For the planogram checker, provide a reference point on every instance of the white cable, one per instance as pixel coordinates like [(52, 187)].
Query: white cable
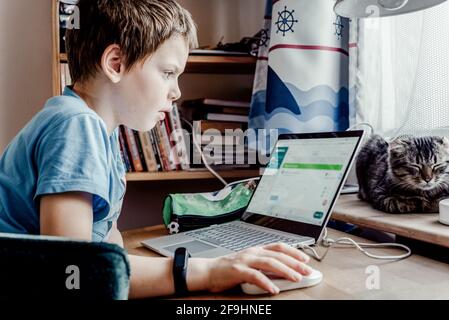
[(207, 165), (345, 241), (241, 181), (361, 124), (203, 156)]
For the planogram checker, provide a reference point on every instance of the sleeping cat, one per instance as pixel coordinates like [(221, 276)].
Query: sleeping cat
[(405, 175)]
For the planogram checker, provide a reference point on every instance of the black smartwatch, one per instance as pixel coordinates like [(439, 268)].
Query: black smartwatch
[(180, 262)]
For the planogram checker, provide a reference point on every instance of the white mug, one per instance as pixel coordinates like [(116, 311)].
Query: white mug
[(444, 211)]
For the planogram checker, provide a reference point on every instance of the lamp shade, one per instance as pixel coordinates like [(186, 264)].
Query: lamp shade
[(380, 8)]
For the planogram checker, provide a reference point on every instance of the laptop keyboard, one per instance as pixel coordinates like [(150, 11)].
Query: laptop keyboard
[(237, 237)]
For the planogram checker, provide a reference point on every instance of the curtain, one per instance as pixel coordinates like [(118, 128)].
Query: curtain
[(400, 73), (302, 72)]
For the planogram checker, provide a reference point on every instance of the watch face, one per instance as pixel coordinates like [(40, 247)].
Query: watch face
[(179, 260), (180, 256)]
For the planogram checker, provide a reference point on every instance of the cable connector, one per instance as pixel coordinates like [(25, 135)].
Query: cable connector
[(348, 242)]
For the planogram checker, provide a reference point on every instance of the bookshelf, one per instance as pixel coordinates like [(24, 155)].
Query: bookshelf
[(190, 175), (206, 64), (199, 64)]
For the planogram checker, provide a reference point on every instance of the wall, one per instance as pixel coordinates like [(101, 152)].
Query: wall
[(25, 63), (230, 19)]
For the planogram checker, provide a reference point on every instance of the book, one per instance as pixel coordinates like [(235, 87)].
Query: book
[(139, 148), (227, 103), (68, 78), (220, 126), (63, 79), (157, 150), (124, 153), (167, 146), (148, 153), (173, 155), (178, 138), (227, 117), (236, 111), (127, 152), (213, 139), (133, 150), (217, 103), (161, 147)]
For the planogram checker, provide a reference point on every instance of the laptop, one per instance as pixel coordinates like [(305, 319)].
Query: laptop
[(292, 202)]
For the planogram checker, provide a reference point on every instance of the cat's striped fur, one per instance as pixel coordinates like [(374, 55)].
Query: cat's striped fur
[(406, 175)]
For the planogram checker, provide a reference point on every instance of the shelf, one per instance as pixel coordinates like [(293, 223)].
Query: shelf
[(213, 64), (221, 64), (190, 175)]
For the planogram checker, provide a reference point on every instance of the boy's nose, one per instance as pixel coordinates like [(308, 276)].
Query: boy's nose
[(175, 94)]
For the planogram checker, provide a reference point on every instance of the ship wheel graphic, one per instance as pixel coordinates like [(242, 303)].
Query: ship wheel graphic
[(264, 37), (261, 39), (338, 27), (285, 22)]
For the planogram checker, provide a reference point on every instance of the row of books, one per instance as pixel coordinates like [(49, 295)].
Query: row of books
[(218, 110), (161, 149), (168, 147), (218, 116)]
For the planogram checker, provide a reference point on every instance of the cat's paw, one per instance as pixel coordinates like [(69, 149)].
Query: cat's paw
[(430, 206), (399, 205)]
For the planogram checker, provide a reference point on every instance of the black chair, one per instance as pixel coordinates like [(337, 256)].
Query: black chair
[(53, 267)]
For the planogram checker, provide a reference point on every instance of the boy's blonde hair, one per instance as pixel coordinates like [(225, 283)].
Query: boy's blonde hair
[(139, 27)]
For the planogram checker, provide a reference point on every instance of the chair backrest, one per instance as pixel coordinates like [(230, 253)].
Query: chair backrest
[(53, 267)]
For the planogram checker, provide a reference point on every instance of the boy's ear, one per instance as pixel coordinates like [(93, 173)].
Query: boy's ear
[(112, 63)]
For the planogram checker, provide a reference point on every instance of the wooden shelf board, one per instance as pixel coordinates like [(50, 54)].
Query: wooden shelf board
[(212, 64), (221, 64), (190, 175)]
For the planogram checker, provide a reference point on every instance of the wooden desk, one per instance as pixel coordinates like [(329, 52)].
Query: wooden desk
[(424, 227), (344, 272)]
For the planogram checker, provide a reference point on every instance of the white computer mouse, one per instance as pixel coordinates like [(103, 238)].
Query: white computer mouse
[(307, 281)]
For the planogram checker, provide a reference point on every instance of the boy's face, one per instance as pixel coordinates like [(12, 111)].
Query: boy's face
[(149, 89)]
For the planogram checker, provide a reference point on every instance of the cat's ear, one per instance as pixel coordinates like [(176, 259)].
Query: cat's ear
[(445, 143), (398, 146)]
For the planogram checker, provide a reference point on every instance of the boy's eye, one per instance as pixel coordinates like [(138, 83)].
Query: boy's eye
[(169, 74)]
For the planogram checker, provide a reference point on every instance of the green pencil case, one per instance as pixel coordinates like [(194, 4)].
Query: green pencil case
[(189, 211)]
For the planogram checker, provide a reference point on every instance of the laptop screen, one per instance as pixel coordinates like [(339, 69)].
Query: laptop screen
[(302, 181)]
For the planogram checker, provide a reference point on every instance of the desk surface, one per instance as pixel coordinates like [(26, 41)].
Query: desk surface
[(345, 274), (424, 227)]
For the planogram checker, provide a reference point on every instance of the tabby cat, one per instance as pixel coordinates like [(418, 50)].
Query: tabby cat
[(406, 175)]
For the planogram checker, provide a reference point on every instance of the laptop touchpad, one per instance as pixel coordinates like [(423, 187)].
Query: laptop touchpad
[(194, 246)]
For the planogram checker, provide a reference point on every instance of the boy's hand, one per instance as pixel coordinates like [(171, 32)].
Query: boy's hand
[(248, 266)]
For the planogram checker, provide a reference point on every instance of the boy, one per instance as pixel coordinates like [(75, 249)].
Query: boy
[(63, 174)]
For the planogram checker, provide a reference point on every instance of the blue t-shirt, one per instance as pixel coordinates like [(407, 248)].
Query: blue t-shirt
[(65, 147)]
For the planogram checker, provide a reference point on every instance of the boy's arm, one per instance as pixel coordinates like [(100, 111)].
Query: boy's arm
[(152, 277), (115, 236), (71, 215), (67, 215)]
